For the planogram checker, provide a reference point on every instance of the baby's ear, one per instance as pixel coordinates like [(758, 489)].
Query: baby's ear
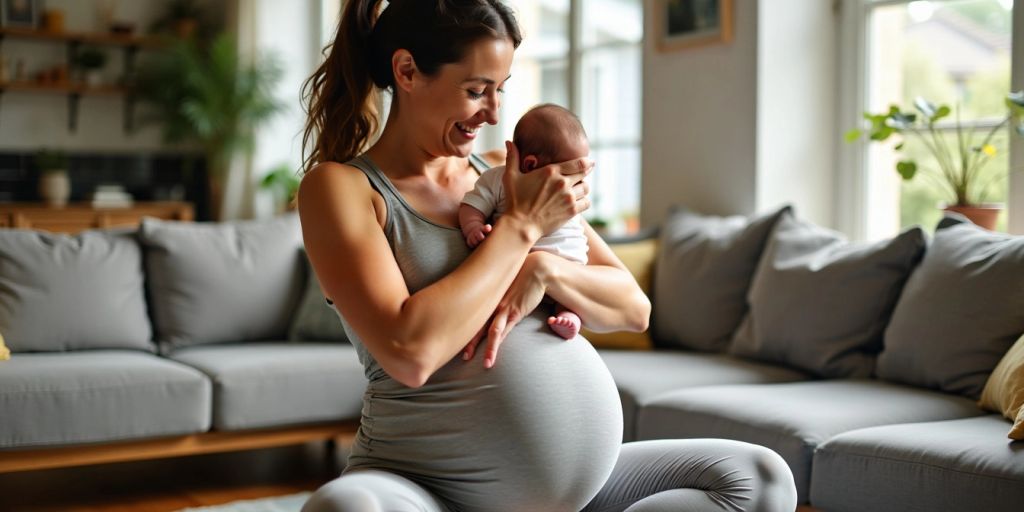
[(530, 163)]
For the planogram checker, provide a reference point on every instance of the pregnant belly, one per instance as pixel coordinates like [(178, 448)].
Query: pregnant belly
[(540, 431)]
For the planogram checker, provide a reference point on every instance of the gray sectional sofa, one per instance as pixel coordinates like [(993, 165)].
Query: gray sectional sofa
[(854, 361)]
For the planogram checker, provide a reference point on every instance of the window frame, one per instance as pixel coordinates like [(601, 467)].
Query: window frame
[(855, 185)]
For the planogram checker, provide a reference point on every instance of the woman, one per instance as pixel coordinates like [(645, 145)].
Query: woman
[(537, 425)]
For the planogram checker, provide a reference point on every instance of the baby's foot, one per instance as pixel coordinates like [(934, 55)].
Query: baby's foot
[(566, 324)]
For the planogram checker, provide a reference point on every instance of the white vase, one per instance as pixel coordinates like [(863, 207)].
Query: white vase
[(55, 187)]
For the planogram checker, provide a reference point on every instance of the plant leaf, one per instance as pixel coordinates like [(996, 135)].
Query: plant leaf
[(926, 107), (907, 169), (899, 146), (852, 135)]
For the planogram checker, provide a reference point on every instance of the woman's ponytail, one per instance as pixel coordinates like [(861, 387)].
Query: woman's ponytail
[(340, 98)]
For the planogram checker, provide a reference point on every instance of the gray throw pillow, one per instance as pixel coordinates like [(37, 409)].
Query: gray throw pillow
[(315, 319), (701, 275), (820, 303), (61, 292), (960, 312), (222, 282)]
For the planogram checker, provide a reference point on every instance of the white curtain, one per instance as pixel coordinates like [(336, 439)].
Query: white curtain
[(291, 32)]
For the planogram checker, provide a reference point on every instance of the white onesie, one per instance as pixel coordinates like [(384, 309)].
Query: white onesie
[(568, 241)]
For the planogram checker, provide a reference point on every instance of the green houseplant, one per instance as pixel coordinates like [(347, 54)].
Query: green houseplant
[(90, 61), (958, 168), (283, 183), (207, 96)]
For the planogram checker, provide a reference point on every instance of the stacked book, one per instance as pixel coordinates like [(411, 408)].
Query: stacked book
[(111, 196)]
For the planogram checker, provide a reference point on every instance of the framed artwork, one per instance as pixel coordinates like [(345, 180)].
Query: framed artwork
[(20, 13), (689, 23)]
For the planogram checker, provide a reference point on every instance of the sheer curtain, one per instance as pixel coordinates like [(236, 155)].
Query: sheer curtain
[(289, 31)]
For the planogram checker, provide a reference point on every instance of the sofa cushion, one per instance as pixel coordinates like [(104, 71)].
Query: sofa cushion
[(1004, 391), (638, 256), (314, 319), (954, 465), (641, 376), (793, 418), (61, 292), (959, 313), (820, 303), (701, 277), (222, 282), (5, 353), (275, 384), (98, 395)]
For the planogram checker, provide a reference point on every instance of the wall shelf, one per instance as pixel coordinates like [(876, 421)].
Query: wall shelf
[(130, 44)]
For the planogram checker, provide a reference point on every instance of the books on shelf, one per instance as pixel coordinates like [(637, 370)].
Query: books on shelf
[(111, 196)]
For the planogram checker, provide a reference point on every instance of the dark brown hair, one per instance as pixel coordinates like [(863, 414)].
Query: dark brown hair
[(341, 95), (546, 129)]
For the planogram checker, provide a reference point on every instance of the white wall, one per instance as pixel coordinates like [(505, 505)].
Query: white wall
[(700, 123), (29, 121), (796, 108), (743, 127)]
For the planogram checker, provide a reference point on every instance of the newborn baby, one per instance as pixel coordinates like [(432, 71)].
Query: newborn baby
[(545, 134)]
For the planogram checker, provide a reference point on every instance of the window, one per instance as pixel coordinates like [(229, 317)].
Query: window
[(585, 56), (954, 52)]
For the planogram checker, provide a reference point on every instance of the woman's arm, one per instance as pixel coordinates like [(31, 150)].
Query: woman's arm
[(412, 335), (603, 292)]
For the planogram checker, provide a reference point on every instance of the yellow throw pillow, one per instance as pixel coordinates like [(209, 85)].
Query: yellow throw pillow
[(1004, 391), (5, 354), (639, 259)]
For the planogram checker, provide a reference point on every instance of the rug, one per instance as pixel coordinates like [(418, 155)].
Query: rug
[(289, 503)]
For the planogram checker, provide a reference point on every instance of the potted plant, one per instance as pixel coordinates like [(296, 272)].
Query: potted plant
[(90, 62), (206, 95), (283, 183), (54, 184), (958, 168), (181, 19)]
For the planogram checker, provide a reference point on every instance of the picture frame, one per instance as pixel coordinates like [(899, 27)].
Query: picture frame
[(684, 24), (20, 13)]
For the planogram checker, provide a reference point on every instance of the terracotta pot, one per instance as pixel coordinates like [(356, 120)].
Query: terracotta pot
[(55, 188), (982, 215)]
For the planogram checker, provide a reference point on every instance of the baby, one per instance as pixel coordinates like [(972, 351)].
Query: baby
[(545, 134)]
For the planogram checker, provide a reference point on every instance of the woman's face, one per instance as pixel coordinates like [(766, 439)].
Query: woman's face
[(451, 106)]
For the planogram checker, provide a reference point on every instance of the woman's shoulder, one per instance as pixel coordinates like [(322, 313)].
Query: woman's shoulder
[(329, 180)]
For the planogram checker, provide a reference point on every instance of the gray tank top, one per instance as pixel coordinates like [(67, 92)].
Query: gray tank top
[(539, 431)]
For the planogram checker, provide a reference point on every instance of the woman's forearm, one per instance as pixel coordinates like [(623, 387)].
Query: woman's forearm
[(438, 321), (606, 298)]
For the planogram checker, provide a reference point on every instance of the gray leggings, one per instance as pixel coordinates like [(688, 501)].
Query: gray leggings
[(669, 475)]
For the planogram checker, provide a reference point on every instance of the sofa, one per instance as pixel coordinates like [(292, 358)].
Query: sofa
[(855, 361)]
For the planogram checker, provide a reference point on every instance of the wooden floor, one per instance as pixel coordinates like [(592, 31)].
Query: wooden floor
[(171, 484)]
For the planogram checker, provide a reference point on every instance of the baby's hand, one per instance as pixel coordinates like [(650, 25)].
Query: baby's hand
[(476, 234)]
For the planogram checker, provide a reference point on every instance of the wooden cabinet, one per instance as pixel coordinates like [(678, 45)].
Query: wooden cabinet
[(77, 217)]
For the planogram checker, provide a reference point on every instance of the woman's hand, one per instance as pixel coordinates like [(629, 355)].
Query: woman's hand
[(520, 300), (546, 197)]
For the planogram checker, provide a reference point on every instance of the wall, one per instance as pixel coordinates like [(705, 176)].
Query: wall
[(700, 123), (1016, 210), (743, 127), (29, 121), (796, 109)]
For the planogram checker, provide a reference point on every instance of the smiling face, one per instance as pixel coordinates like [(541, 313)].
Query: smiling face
[(450, 107)]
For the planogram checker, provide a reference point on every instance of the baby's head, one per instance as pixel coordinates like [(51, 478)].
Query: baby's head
[(548, 134)]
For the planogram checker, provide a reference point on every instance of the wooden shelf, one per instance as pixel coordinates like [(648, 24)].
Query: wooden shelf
[(98, 38), (63, 88), (75, 217)]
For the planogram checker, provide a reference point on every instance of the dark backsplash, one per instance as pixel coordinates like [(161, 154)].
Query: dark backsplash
[(150, 176)]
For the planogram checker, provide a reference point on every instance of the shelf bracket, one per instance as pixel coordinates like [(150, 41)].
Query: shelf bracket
[(73, 111)]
